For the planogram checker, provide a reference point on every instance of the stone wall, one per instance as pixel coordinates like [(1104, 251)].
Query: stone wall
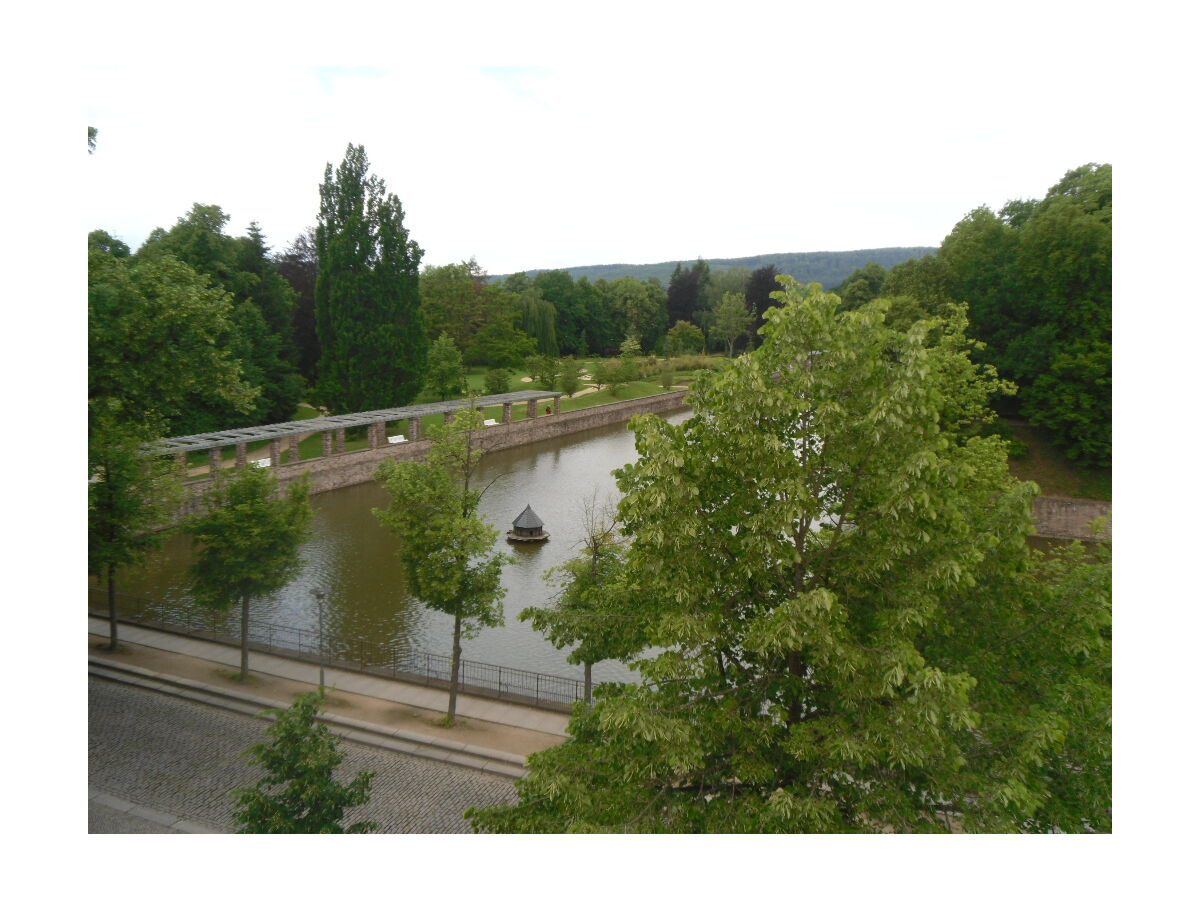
[(344, 469), (1057, 517), (1065, 517)]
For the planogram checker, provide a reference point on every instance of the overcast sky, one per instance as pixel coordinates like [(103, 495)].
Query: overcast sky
[(858, 141)]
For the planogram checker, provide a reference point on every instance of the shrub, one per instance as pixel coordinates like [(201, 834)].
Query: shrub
[(497, 381)]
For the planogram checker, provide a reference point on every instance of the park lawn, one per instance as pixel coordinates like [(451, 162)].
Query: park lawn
[(1054, 473)]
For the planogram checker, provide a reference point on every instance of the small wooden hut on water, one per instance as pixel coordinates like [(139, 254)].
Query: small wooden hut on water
[(527, 528)]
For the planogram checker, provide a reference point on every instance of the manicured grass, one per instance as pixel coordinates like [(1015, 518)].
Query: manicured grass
[(1056, 475)]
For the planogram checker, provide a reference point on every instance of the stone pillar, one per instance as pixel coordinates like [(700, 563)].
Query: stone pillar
[(373, 436), (294, 447), (240, 462), (181, 460), (214, 460), (558, 404), (414, 429), (276, 451), (447, 417), (326, 443), (507, 413), (531, 409), (340, 443)]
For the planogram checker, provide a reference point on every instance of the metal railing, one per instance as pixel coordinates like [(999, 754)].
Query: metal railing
[(358, 654)]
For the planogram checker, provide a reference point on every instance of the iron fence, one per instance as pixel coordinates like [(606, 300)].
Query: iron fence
[(358, 654)]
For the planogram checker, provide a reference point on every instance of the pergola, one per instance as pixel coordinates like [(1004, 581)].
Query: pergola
[(335, 426)]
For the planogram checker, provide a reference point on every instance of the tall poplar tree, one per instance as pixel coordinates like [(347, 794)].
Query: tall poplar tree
[(369, 322)]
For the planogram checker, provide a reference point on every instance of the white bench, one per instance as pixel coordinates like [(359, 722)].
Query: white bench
[(397, 439), (490, 422), (261, 463)]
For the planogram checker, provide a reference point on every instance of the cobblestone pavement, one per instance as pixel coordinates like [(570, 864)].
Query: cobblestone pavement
[(185, 757)]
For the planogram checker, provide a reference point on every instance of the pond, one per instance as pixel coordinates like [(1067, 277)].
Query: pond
[(352, 559)]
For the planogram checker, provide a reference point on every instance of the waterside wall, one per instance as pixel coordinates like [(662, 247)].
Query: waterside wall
[(328, 473), (1056, 517)]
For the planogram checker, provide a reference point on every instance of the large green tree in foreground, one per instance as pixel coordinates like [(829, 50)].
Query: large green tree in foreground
[(299, 793), (369, 321), (855, 634), (249, 540), (445, 548)]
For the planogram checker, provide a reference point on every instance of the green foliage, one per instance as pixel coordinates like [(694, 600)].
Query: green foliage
[(731, 320), (631, 347), (1038, 281), (854, 634), (455, 300), (300, 794), (544, 370), (641, 309), (591, 609), (297, 264), (824, 267), (537, 318), (615, 373), (684, 337), (263, 336), (106, 243), (568, 377), (863, 285), (372, 334), (497, 381), (131, 495), (444, 547), (249, 541), (158, 339), (446, 376)]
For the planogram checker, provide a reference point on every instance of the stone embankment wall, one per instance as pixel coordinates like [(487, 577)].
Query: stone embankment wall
[(1057, 517), (1065, 517), (340, 470)]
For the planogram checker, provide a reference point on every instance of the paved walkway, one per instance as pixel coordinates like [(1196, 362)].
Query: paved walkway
[(167, 727), (413, 695)]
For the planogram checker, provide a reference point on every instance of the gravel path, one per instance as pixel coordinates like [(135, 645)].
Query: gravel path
[(183, 757)]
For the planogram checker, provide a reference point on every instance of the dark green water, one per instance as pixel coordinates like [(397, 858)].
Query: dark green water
[(352, 558)]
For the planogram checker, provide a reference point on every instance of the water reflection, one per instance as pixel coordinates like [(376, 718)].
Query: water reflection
[(352, 559)]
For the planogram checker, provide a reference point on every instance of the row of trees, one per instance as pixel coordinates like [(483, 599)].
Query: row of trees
[(1036, 278)]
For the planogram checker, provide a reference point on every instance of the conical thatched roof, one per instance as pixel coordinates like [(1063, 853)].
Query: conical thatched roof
[(527, 519)]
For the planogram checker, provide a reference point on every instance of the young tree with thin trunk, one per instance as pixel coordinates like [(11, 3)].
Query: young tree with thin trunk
[(445, 548), (250, 538), (732, 320), (131, 495), (447, 377), (299, 794), (590, 610)]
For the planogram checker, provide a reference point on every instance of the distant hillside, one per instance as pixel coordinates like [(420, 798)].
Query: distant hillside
[(830, 268)]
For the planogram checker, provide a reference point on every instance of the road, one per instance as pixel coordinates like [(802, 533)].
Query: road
[(183, 758)]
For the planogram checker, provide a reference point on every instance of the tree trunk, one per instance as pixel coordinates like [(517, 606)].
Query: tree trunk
[(245, 638), (454, 659), (587, 682), (112, 607)]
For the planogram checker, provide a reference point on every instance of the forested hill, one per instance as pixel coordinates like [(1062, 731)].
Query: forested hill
[(830, 267)]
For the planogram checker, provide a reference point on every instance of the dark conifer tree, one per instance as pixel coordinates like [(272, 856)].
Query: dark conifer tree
[(683, 294), (298, 265), (758, 296), (369, 323)]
